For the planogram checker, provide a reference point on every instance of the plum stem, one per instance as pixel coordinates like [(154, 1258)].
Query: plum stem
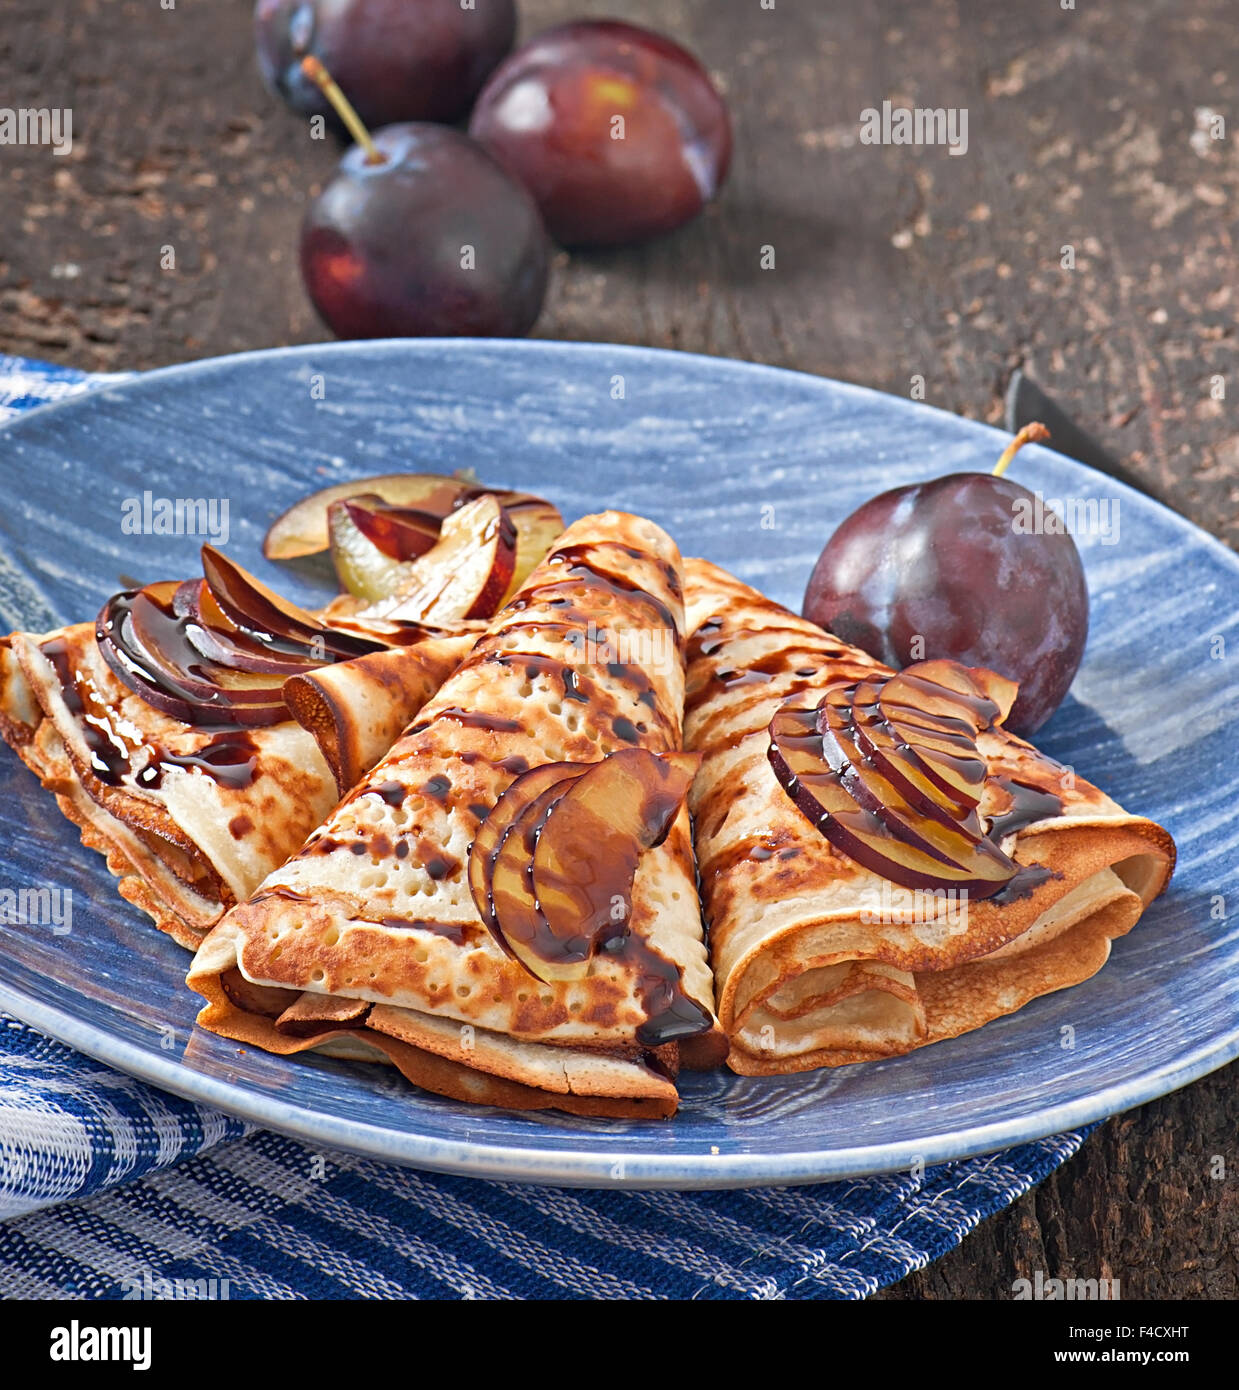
[(316, 72), (1034, 433)]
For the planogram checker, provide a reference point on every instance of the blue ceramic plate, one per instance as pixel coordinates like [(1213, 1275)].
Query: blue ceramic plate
[(746, 465)]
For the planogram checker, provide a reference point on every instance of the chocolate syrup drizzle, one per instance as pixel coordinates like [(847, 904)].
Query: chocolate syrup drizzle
[(960, 753), (581, 581)]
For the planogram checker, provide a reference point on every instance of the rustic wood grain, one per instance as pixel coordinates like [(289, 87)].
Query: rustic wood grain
[(891, 262)]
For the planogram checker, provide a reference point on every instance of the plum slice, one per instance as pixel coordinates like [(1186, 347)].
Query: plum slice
[(525, 789), (467, 573), (400, 533), (938, 708), (552, 867), (209, 629), (521, 927), (586, 855), (899, 760), (262, 613), (911, 839), (370, 551), (538, 526), (800, 764), (302, 529), (217, 651), (924, 825), (144, 641), (376, 547)]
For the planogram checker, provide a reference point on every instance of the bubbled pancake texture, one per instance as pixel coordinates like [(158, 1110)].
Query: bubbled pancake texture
[(220, 837), (785, 907), (377, 905)]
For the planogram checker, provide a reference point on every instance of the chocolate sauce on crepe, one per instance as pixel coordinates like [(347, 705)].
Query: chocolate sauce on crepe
[(109, 761), (1028, 804), (586, 1040), (231, 759), (905, 970)]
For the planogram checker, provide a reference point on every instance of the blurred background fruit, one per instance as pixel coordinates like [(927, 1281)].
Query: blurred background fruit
[(398, 60), (421, 234), (618, 131)]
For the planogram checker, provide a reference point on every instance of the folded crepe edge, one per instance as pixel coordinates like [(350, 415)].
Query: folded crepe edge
[(172, 904), (1139, 853), (144, 877), (118, 824), (1069, 959), (408, 676), (441, 1056)]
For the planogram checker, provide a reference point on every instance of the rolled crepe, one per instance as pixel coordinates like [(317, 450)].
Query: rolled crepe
[(191, 820), (355, 710), (369, 942), (819, 961)]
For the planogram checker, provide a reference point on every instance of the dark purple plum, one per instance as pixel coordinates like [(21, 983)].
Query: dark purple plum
[(398, 60), (432, 240), (618, 131), (945, 562)]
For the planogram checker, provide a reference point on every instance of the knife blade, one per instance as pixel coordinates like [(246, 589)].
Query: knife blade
[(1026, 402)]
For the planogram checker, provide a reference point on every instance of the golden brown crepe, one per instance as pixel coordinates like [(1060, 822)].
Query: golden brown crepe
[(191, 820), (369, 941), (819, 961), (357, 709)]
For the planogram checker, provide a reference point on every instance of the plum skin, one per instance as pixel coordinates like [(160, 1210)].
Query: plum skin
[(396, 60), (942, 560), (382, 244), (547, 111)]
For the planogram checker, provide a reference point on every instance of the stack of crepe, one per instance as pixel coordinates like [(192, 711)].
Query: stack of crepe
[(816, 961), (369, 940), (191, 819), (356, 926)]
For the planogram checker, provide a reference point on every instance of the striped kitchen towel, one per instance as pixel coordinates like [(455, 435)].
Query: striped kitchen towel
[(267, 1217), (112, 1188)]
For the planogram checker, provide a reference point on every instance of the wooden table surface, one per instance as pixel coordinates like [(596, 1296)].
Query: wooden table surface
[(1087, 127)]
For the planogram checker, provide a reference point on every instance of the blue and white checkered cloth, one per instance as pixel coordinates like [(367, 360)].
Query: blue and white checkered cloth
[(112, 1187)]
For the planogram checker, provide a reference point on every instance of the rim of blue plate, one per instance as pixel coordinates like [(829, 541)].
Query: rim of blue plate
[(642, 1166)]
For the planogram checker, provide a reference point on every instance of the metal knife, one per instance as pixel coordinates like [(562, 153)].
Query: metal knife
[(1026, 402)]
